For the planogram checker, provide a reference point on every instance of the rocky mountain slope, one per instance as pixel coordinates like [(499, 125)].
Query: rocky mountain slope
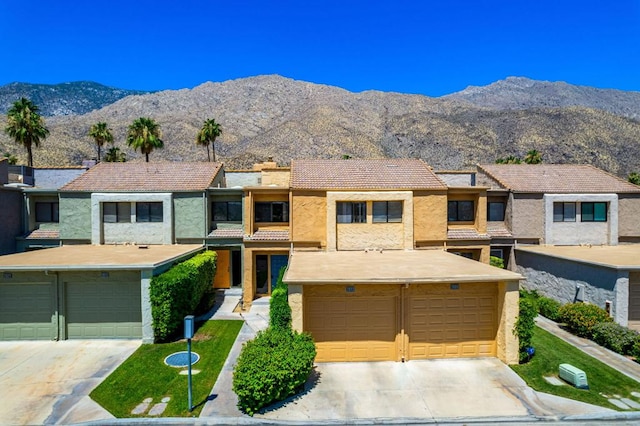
[(74, 98), (275, 116), (524, 93)]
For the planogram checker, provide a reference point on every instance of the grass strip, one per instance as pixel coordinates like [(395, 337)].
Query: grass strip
[(145, 375), (551, 351)]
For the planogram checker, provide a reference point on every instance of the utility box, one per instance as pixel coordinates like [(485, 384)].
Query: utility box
[(189, 326), (573, 376)]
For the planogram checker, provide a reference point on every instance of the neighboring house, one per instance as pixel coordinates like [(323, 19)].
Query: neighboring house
[(562, 204), (42, 207), (139, 203), (10, 211), (369, 276)]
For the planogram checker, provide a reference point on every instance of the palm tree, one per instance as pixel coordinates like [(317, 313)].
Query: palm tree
[(114, 155), (101, 134), (144, 134), (25, 125), (533, 157), (509, 160), (208, 133)]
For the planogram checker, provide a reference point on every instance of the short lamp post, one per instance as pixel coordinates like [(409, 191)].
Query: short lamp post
[(189, 328)]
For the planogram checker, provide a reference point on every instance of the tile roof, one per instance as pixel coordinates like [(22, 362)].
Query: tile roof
[(556, 178), (43, 234), (226, 233), (465, 234), (144, 177), (363, 174), (268, 235), (498, 230)]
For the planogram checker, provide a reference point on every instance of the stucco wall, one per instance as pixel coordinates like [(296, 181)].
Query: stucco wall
[(190, 215), (559, 279), (508, 308), (430, 216), (578, 232), (131, 232), (75, 216), (628, 217), (309, 217), (527, 215), (276, 177), (295, 302), (360, 236)]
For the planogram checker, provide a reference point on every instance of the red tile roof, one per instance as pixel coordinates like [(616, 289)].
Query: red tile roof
[(465, 234), (363, 174), (43, 234), (226, 233), (145, 177), (556, 178), (268, 235), (498, 230)]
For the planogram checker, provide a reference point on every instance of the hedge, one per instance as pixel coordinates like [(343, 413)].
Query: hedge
[(177, 293), (614, 336), (279, 309), (549, 308), (525, 325), (272, 367), (580, 318)]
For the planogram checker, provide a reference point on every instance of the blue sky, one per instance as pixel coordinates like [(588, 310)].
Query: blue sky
[(427, 47)]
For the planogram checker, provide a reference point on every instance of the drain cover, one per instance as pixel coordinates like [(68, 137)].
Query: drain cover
[(181, 359)]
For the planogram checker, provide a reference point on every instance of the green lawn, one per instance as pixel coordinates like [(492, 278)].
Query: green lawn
[(144, 374), (552, 351)]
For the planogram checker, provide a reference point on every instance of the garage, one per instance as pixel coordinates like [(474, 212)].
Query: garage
[(446, 322), (82, 292), (26, 311), (98, 308), (353, 323), (403, 305)]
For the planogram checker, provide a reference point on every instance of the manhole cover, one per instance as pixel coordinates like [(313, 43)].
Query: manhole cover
[(181, 359)]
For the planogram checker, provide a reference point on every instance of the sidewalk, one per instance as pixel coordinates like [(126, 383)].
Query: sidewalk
[(622, 364), (224, 403)]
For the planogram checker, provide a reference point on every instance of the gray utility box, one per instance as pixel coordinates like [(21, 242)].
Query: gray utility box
[(574, 376)]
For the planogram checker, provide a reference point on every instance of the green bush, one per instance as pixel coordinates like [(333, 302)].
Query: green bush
[(580, 318), (525, 325), (177, 293), (279, 309), (496, 261), (272, 367), (549, 308), (614, 336)]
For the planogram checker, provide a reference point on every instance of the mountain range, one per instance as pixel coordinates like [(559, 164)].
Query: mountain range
[(273, 116)]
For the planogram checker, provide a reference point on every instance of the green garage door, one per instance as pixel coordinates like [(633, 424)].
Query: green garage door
[(26, 311), (98, 310)]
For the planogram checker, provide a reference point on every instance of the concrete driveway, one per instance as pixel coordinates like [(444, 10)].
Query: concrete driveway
[(434, 389), (43, 382)]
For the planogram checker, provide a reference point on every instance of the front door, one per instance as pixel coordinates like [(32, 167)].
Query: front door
[(267, 270)]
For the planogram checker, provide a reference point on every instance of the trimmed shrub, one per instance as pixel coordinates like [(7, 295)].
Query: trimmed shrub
[(614, 336), (279, 309), (549, 308), (496, 261), (272, 367), (580, 318), (635, 350), (177, 293), (525, 325)]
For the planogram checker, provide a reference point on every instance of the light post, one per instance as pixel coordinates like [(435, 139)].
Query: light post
[(189, 328)]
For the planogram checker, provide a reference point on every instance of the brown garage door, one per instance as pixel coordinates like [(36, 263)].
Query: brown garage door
[(449, 322), (353, 323)]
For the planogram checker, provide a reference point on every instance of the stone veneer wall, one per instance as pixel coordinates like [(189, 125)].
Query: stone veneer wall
[(559, 279)]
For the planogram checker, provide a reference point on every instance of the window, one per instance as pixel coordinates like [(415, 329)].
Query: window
[(47, 212), (227, 211), (593, 212), (387, 211), (351, 212), (460, 211), (149, 212), (116, 212), (273, 211), (495, 212), (564, 212)]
